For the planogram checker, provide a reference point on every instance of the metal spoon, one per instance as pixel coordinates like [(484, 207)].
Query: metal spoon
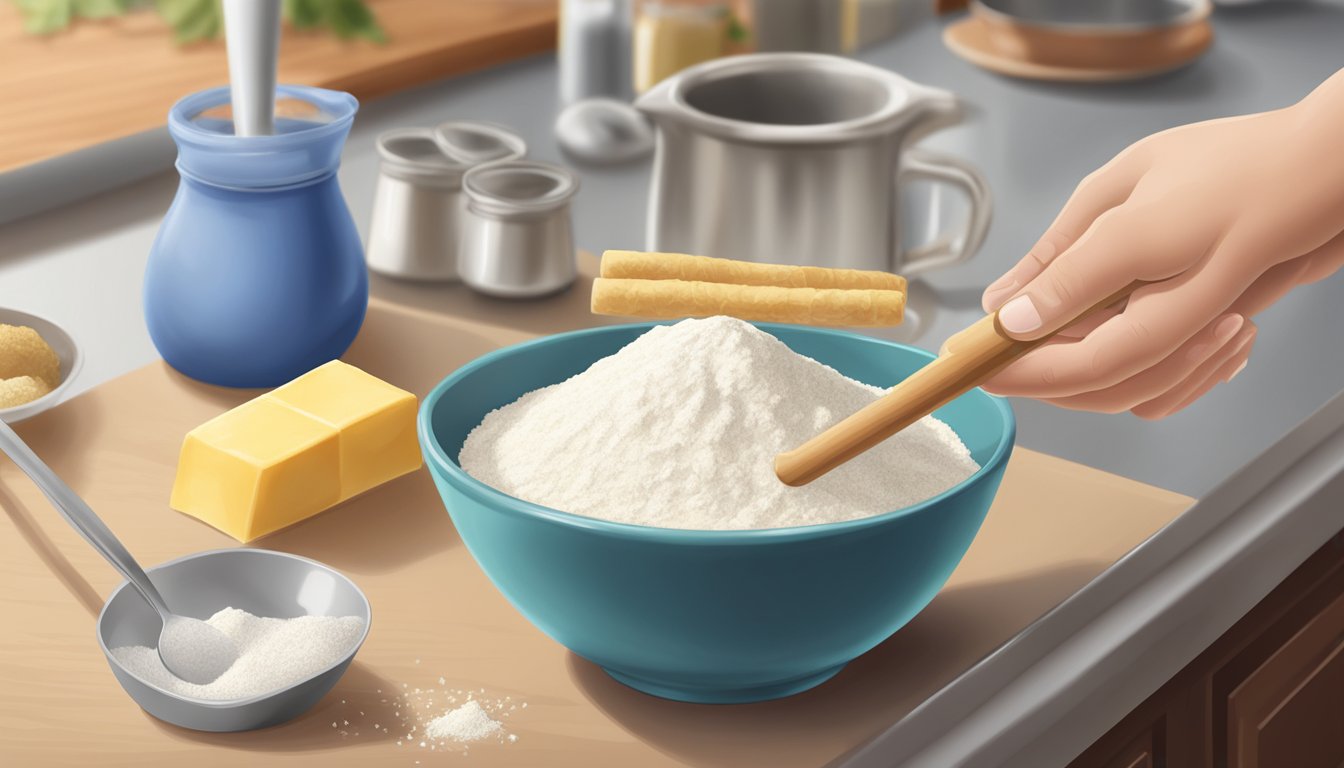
[(252, 36), (189, 648)]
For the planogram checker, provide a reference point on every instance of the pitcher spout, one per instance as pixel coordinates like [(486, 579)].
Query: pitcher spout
[(656, 103), (932, 109)]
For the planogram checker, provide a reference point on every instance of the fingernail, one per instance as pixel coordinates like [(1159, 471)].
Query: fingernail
[(1228, 327), (1020, 316), (1245, 343), (1223, 331), (998, 292), (1240, 368)]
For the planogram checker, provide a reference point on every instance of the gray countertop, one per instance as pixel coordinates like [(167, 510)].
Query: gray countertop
[(81, 264), (1052, 690)]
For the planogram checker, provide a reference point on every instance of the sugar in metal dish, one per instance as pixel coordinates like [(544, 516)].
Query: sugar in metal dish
[(272, 654)]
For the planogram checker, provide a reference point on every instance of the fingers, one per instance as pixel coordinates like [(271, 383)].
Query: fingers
[(1271, 286), (1221, 367), (1225, 374), (1158, 319), (1126, 244), (1080, 328), (1175, 369), (1101, 191), (1325, 260)]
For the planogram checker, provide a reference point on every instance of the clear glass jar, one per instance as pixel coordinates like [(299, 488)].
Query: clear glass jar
[(671, 35)]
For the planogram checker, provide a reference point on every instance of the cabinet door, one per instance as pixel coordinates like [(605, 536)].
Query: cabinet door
[(1290, 710), (1145, 751)]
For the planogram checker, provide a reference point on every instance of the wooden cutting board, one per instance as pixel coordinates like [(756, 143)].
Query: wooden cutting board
[(99, 81), (1054, 526)]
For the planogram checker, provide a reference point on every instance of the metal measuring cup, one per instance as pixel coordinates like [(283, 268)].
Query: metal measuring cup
[(517, 239), (418, 205)]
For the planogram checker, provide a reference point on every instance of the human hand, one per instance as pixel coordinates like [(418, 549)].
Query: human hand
[(1221, 219)]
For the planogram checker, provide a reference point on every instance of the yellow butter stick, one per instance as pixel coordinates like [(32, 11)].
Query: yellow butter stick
[(666, 299), (680, 266)]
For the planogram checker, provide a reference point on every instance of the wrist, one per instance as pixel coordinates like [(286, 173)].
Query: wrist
[(1318, 119), (1309, 143)]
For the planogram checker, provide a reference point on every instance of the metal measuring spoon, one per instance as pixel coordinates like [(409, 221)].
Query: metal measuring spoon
[(190, 648)]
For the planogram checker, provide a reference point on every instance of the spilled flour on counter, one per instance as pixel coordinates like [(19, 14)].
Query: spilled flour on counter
[(272, 654), (427, 718), (469, 722), (679, 429)]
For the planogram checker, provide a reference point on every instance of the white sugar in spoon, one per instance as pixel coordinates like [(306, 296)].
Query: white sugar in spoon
[(252, 34), (189, 648)]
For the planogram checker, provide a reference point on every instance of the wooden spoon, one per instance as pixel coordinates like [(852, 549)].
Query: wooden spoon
[(967, 360)]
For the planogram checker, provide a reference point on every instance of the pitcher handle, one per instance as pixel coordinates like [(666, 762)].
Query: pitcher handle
[(946, 249)]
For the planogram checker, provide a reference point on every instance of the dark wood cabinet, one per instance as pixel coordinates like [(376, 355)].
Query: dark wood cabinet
[(1146, 750), (1268, 694), (1290, 710)]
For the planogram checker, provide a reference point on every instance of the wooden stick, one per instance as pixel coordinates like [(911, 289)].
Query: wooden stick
[(704, 269), (968, 359), (666, 299)]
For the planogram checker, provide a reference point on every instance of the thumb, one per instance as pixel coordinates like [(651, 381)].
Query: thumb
[(1102, 262)]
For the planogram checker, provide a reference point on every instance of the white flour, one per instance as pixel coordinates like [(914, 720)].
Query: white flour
[(679, 429), (469, 722), (272, 654)]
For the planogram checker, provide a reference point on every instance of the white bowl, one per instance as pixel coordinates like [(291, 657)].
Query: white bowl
[(67, 351)]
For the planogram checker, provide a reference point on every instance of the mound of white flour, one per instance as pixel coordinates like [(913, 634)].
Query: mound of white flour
[(679, 429)]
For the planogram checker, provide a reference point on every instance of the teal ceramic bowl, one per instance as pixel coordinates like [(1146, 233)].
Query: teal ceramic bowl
[(709, 616)]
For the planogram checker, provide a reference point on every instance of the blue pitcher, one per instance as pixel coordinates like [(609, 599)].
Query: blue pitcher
[(257, 274)]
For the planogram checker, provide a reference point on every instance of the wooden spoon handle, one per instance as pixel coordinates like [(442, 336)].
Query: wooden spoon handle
[(968, 359)]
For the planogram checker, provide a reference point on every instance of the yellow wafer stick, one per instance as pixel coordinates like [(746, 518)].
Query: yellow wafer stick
[(680, 266), (665, 299)]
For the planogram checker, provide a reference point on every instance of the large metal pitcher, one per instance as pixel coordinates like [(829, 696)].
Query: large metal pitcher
[(798, 158)]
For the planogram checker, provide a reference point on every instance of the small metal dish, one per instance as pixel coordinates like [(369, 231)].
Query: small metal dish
[(1098, 34), (518, 239), (67, 351), (418, 205), (259, 581)]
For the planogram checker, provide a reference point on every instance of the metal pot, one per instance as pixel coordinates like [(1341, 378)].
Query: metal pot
[(794, 158)]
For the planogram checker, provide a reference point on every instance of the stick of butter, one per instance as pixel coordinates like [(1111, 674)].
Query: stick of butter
[(295, 451)]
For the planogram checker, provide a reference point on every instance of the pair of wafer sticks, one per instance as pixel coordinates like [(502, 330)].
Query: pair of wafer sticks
[(674, 285)]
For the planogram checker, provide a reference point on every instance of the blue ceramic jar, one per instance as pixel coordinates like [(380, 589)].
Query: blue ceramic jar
[(257, 274)]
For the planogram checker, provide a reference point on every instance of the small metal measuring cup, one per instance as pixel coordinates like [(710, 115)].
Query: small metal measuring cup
[(517, 240), (259, 581), (418, 205)]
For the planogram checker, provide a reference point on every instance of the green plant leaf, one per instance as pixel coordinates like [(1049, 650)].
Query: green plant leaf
[(303, 14), (100, 9), (192, 20), (737, 31), (352, 18), (43, 17)]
